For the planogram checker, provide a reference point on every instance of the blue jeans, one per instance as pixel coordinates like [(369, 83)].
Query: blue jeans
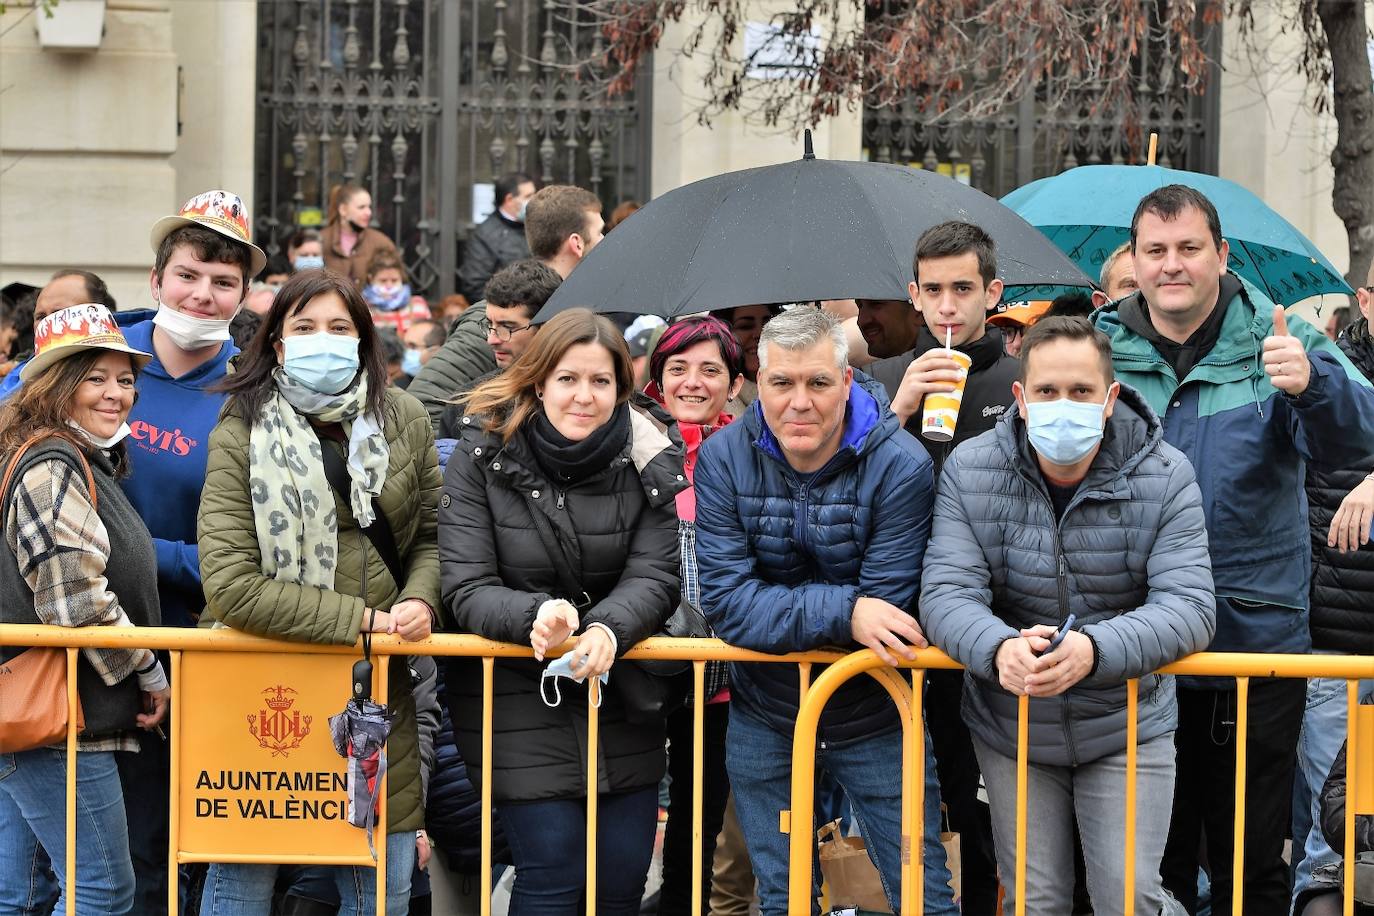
[(246, 890), (759, 760), (33, 834), (1091, 795), (548, 845), (1323, 733)]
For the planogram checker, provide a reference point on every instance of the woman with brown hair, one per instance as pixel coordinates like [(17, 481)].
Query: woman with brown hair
[(557, 520), (350, 242), (317, 524), (77, 555)]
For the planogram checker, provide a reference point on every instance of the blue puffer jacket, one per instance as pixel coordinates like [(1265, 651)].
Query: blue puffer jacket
[(782, 562), (1129, 558)]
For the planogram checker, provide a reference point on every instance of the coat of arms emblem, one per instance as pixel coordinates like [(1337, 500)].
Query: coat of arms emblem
[(277, 728)]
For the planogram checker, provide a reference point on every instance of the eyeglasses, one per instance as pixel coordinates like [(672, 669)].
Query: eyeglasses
[(502, 331)]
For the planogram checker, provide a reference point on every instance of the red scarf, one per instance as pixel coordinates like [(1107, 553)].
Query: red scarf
[(693, 434)]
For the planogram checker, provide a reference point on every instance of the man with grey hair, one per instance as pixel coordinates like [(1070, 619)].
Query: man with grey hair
[(1118, 277), (813, 511)]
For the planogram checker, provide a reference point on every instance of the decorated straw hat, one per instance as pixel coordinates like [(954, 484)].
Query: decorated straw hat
[(218, 211), (1023, 313), (71, 331)]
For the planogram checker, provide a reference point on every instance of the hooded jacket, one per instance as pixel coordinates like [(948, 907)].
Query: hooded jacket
[(464, 358), (987, 390), (1129, 558), (169, 446), (1249, 444), (782, 560), (1342, 583), (619, 533)]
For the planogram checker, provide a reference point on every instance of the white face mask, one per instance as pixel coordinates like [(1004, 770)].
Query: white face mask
[(111, 442), (189, 332)]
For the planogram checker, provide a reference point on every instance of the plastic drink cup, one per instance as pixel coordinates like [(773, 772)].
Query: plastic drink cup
[(940, 412)]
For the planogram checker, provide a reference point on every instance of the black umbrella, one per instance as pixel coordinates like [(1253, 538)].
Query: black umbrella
[(803, 230)]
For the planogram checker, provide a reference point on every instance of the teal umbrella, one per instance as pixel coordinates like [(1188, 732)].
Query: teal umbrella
[(1086, 212)]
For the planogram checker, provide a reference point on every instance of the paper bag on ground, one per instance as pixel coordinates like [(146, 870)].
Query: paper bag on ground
[(851, 875)]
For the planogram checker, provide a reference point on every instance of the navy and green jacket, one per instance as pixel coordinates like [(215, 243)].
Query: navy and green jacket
[(1250, 444)]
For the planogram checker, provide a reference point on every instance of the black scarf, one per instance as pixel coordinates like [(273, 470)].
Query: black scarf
[(566, 461), (1357, 344), (1135, 315)]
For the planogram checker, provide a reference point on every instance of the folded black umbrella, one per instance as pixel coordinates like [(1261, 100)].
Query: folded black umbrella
[(803, 230)]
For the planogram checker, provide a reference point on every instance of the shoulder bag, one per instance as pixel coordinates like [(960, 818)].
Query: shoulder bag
[(33, 684)]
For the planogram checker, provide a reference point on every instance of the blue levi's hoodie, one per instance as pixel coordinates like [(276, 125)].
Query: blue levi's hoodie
[(168, 449)]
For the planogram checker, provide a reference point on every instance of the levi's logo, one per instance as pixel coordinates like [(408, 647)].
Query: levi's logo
[(164, 440)]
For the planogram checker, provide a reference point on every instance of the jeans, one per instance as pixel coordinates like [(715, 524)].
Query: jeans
[(759, 760), (1091, 794), (246, 890), (1205, 792), (958, 769), (675, 895), (548, 844), (1323, 732), (145, 776), (33, 834)]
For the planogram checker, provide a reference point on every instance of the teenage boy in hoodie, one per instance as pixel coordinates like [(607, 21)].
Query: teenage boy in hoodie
[(955, 284), (1250, 397), (203, 262)]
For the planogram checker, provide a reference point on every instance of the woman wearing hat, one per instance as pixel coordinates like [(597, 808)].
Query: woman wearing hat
[(283, 550), (76, 555)]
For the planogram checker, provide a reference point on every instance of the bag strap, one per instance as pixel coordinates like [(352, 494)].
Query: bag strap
[(379, 532), (561, 563), (30, 443)]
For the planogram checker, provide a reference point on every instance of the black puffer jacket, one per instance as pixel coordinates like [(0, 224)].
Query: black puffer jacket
[(620, 527), (987, 393), (1342, 583), (495, 243)]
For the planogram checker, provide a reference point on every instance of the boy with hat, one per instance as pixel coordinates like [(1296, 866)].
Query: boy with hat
[(204, 259)]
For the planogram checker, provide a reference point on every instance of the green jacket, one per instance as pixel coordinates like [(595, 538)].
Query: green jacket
[(240, 596), (464, 358)]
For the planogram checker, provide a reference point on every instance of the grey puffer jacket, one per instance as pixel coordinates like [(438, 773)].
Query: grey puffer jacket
[(1129, 558)]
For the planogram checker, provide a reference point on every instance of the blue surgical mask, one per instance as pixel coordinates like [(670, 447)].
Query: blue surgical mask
[(562, 667), (524, 208), (322, 362), (410, 363), (308, 262), (1064, 431)]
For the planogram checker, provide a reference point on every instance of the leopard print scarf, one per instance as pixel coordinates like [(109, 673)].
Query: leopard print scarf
[(293, 504)]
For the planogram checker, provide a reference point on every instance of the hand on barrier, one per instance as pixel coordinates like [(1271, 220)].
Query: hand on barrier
[(379, 621), (1285, 359), (155, 705), (881, 626), (1024, 671), (1350, 525), (412, 619), (553, 624), (593, 654)]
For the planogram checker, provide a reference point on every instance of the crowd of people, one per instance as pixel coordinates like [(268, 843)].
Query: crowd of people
[(299, 447)]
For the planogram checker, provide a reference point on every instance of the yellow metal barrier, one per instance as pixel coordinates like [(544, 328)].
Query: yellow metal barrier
[(798, 820)]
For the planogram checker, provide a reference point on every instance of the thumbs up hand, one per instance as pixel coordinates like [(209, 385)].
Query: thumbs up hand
[(1285, 359)]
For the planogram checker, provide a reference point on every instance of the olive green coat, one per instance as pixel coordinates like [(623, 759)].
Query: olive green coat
[(240, 596)]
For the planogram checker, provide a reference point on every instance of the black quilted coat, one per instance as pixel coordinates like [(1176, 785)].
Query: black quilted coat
[(1342, 584), (620, 528)]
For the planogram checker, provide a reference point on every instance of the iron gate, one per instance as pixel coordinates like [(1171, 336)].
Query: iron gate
[(1024, 142), (418, 100)]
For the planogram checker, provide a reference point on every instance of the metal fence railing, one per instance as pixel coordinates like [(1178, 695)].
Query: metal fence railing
[(341, 846)]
